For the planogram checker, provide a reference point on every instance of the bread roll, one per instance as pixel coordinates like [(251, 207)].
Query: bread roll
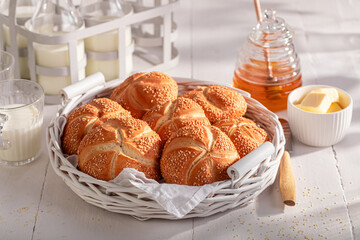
[(244, 133), (167, 118), (142, 91), (218, 102), (197, 155), (117, 144), (84, 118)]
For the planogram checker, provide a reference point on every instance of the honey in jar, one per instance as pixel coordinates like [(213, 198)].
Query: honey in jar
[(267, 65)]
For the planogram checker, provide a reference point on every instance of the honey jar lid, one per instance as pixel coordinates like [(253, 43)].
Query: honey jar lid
[(271, 31)]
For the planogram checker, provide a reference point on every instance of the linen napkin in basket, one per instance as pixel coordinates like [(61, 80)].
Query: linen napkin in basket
[(177, 200)]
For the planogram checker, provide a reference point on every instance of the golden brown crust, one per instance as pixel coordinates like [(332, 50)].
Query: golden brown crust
[(197, 155), (117, 144), (218, 102), (142, 91), (118, 91), (244, 133), (167, 118), (84, 118)]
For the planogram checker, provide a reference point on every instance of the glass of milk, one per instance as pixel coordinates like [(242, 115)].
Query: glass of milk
[(7, 63), (21, 121)]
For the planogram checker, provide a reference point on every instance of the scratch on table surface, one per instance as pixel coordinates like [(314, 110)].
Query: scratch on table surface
[(41, 196), (193, 229), (343, 193)]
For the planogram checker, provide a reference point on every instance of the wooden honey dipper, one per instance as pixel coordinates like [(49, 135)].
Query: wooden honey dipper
[(286, 181), (266, 51)]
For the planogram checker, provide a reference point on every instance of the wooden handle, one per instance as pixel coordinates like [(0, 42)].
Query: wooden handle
[(258, 10), (287, 181)]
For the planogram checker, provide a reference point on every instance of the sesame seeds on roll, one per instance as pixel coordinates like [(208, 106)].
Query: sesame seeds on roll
[(81, 120), (244, 133), (197, 155), (142, 91), (167, 118), (218, 102), (117, 144)]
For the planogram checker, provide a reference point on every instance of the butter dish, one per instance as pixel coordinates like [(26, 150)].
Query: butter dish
[(319, 129)]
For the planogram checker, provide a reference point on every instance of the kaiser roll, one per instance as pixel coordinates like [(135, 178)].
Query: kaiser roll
[(117, 144), (244, 133), (142, 91), (197, 155), (218, 102), (84, 118), (167, 118)]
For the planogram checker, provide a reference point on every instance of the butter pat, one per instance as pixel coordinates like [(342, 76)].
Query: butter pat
[(321, 100), (315, 102), (334, 107), (332, 93)]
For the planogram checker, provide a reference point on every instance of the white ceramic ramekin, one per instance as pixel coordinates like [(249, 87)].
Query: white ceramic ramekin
[(318, 129)]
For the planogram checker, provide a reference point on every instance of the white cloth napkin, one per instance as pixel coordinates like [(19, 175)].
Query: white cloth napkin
[(175, 199)]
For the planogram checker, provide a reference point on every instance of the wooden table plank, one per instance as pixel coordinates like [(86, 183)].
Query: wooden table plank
[(64, 215)]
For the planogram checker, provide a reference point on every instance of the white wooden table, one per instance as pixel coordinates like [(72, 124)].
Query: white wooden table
[(36, 204)]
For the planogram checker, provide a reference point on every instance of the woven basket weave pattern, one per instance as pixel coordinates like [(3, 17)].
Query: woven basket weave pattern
[(133, 201)]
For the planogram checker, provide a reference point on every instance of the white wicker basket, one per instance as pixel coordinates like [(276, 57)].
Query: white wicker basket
[(137, 203)]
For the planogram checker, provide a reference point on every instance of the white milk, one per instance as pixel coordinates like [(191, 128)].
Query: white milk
[(55, 56), (107, 42), (23, 129), (109, 68)]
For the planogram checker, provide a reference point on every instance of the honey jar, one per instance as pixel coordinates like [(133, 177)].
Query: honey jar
[(267, 65)]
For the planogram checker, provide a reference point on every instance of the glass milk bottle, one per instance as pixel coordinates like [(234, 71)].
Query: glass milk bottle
[(54, 18), (102, 49), (24, 10), (267, 65)]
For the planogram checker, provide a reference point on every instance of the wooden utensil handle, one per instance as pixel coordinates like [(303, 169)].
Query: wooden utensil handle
[(287, 181)]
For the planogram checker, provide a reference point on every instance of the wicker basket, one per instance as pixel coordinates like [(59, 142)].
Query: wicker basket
[(137, 203)]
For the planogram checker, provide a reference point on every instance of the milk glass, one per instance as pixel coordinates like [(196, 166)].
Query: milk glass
[(7, 63), (21, 121)]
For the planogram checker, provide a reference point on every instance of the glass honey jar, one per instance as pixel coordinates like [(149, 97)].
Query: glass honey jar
[(267, 65)]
